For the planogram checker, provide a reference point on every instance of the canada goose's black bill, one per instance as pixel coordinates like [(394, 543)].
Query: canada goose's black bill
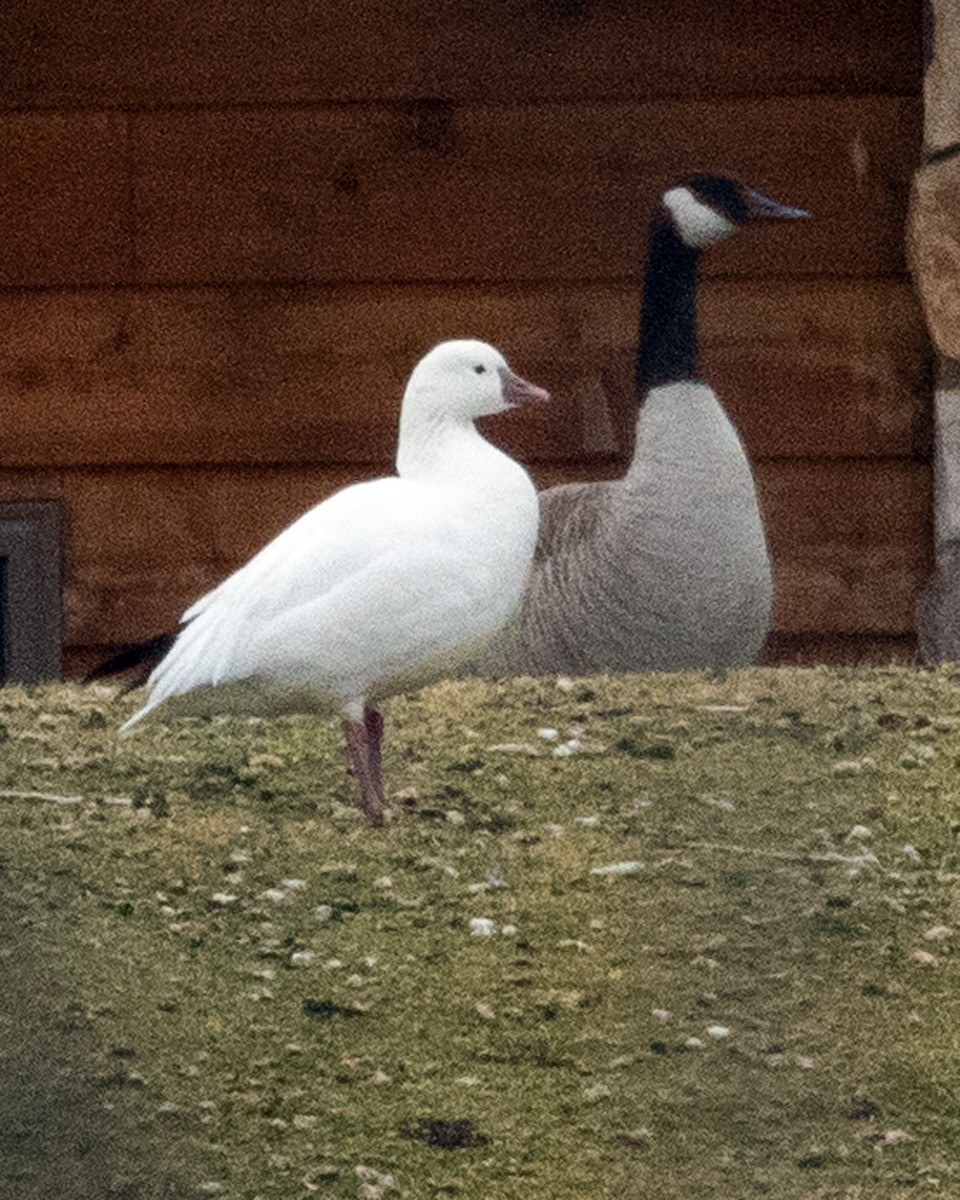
[(517, 391), (763, 208)]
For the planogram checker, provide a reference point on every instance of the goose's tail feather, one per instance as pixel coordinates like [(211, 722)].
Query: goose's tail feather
[(135, 661)]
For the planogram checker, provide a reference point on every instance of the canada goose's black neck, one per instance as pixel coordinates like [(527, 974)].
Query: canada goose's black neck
[(667, 349)]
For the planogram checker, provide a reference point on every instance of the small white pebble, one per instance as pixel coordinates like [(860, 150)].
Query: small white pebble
[(565, 751), (485, 1011), (718, 1031), (332, 964), (661, 1014), (509, 930), (630, 867), (589, 822), (370, 960), (277, 895), (223, 898), (694, 1043), (482, 927), (719, 802), (384, 881), (211, 1187), (911, 852), (859, 833), (373, 1183), (925, 958), (323, 912), (893, 1137), (548, 734), (380, 1077), (622, 1060), (565, 683), (803, 1061), (356, 980), (454, 816), (937, 933), (293, 885), (302, 958), (467, 1080), (847, 767), (556, 830), (166, 1107)]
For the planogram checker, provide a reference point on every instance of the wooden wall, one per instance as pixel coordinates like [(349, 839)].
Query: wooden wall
[(228, 229)]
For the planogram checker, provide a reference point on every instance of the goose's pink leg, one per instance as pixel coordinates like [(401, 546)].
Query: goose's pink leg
[(363, 745), (373, 720)]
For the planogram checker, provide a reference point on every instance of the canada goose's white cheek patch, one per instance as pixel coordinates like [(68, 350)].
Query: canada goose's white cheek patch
[(697, 223)]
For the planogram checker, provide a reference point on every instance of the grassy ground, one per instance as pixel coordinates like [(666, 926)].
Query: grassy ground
[(718, 957)]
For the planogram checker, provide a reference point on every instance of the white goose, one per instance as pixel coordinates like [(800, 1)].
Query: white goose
[(387, 584), (668, 567)]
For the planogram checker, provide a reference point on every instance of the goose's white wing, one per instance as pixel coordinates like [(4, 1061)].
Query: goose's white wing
[(371, 583)]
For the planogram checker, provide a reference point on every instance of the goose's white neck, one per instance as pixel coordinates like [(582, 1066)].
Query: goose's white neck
[(435, 447)]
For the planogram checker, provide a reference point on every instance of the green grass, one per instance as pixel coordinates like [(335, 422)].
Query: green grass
[(168, 1041)]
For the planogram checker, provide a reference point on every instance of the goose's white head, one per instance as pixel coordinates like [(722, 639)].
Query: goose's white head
[(467, 379), (705, 208)]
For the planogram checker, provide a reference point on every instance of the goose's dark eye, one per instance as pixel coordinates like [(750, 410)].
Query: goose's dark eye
[(479, 368)]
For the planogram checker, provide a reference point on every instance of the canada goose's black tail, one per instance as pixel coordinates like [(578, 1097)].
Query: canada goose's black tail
[(136, 661)]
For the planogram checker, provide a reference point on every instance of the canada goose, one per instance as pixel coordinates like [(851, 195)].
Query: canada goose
[(667, 567), (386, 584)]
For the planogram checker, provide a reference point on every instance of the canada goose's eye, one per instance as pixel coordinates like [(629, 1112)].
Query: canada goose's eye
[(479, 368)]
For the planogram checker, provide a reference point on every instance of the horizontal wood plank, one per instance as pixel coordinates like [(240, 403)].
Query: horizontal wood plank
[(108, 52), (530, 193), (315, 375), (64, 200), (851, 541), (428, 193), (835, 650)]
